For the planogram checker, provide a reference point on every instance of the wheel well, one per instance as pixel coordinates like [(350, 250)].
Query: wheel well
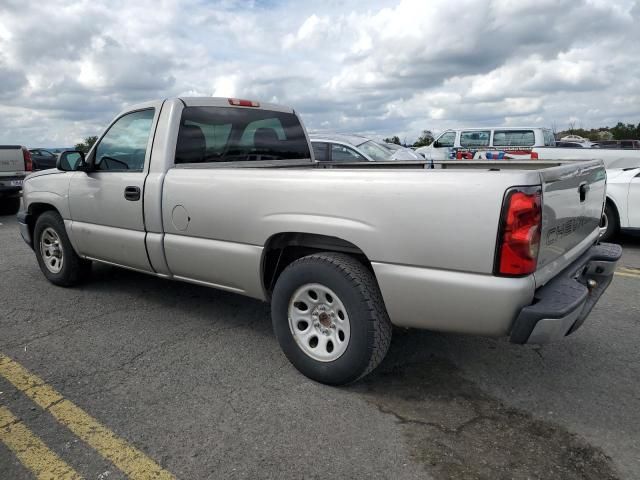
[(284, 248), (35, 210), (613, 205)]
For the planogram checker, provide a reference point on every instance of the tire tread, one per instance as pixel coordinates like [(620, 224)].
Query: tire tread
[(76, 269), (363, 280)]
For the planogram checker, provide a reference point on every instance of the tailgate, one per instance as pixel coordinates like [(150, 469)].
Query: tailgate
[(11, 158), (572, 200)]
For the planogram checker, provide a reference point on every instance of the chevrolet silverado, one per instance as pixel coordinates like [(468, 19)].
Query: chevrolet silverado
[(226, 193)]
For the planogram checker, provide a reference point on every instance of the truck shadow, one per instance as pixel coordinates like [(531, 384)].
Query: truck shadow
[(456, 430)]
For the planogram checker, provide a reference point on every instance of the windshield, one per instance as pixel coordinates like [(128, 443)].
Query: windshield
[(391, 146), (375, 151)]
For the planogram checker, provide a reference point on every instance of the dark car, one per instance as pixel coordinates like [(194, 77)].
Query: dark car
[(43, 159)]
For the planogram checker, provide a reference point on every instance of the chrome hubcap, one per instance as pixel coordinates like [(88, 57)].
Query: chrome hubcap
[(51, 250), (319, 322)]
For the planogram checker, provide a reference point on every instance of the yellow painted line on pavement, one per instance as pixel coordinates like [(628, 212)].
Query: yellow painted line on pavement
[(31, 451), (628, 272), (133, 462), (625, 274)]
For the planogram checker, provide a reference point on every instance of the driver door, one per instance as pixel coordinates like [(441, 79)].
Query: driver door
[(106, 202)]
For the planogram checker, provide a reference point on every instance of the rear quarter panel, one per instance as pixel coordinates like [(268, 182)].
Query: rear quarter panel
[(217, 220)]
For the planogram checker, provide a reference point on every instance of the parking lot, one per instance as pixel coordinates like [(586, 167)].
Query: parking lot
[(133, 376)]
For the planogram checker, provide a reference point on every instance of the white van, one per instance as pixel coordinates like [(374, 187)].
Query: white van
[(488, 143)]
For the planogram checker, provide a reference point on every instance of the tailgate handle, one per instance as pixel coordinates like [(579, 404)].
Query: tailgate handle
[(132, 193), (583, 189)]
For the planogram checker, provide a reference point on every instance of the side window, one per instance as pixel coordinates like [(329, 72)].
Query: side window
[(447, 140), (513, 138), (124, 146), (475, 139), (320, 151), (340, 153), (549, 139)]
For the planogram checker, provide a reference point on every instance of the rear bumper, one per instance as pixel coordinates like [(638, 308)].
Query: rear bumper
[(562, 305), (7, 186)]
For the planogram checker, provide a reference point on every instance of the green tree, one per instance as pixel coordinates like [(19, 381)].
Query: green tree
[(623, 132), (426, 138), (395, 139), (86, 144)]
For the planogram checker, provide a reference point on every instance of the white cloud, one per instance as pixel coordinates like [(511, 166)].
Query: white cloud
[(383, 68)]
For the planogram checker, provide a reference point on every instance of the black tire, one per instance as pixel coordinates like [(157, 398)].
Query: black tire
[(611, 221), (74, 269), (358, 291)]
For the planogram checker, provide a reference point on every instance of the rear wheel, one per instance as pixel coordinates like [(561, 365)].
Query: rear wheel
[(56, 257), (610, 222), (329, 318)]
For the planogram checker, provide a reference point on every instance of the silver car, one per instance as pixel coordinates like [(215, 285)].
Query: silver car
[(398, 152), (348, 148)]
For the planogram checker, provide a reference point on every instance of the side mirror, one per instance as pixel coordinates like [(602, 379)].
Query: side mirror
[(71, 161), (436, 144)]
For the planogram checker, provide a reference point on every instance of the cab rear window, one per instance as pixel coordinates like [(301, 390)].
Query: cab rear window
[(228, 134)]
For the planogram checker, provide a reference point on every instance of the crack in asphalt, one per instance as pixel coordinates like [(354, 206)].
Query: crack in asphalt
[(458, 431)]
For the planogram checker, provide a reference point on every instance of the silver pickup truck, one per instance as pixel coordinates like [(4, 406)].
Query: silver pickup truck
[(225, 193)]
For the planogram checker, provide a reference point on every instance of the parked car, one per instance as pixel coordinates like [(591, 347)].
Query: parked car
[(487, 143), (15, 162), (43, 159), (626, 144), (348, 148), (398, 152), (622, 210), (574, 138), (225, 194)]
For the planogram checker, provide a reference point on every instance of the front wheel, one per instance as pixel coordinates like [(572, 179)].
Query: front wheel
[(330, 319), (57, 259)]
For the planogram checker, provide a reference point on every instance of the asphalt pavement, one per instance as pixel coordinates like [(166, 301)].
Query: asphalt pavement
[(191, 381)]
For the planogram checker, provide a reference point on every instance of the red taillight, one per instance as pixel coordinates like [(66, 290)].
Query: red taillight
[(28, 164), (519, 237), (534, 155), (238, 102)]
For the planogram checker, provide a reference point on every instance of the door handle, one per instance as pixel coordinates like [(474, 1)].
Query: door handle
[(132, 193)]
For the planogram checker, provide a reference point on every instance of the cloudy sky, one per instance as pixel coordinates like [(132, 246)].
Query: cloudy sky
[(379, 68)]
